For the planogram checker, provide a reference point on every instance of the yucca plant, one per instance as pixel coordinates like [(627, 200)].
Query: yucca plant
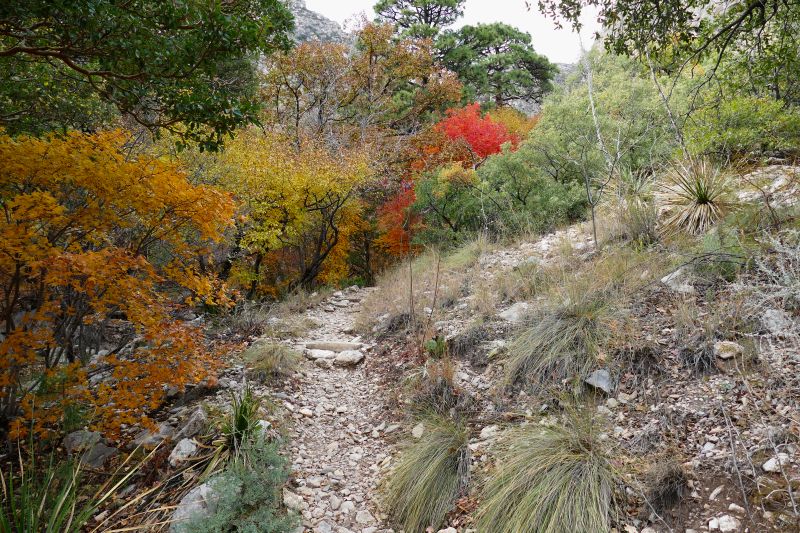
[(241, 424), (561, 341), (695, 194), (430, 476), (556, 479)]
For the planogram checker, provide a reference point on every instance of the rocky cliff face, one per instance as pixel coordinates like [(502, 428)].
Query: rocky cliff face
[(310, 25)]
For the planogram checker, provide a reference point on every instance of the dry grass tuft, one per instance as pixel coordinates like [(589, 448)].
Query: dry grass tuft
[(665, 484), (270, 359), (562, 341), (430, 476), (556, 479)]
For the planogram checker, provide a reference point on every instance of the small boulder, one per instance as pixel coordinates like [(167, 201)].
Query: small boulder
[(200, 501), (775, 321), (601, 379), (728, 349), (348, 358), (97, 455), (515, 313), (292, 500), (418, 430), (191, 424), (182, 451), (151, 439)]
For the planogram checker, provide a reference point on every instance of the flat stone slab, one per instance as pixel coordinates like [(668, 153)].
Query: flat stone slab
[(333, 346)]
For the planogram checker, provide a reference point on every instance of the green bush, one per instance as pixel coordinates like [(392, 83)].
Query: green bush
[(430, 476), (250, 495), (556, 479), (745, 127)]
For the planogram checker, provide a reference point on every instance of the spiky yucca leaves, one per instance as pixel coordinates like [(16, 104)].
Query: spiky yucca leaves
[(695, 194), (562, 341), (555, 479), (431, 474), (241, 424)]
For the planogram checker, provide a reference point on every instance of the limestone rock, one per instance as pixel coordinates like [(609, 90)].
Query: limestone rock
[(333, 346), (182, 451), (418, 430), (201, 501), (775, 321), (292, 500), (515, 313), (192, 424), (81, 439), (774, 464), (349, 358), (729, 524), (728, 349), (679, 281), (317, 353), (601, 379), (150, 439), (489, 432), (97, 455), (364, 517)]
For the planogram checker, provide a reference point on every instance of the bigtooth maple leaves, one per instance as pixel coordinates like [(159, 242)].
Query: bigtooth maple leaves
[(87, 235)]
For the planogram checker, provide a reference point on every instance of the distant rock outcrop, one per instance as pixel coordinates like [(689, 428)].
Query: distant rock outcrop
[(310, 26)]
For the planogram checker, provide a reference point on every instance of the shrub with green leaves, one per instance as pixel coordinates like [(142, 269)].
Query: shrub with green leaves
[(431, 474), (250, 495), (745, 127), (556, 479)]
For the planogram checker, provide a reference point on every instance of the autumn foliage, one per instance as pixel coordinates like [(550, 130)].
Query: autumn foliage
[(481, 135), (89, 234)]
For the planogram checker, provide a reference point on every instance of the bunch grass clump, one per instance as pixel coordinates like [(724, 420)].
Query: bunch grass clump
[(695, 194), (430, 476), (557, 479), (562, 341), (271, 359)]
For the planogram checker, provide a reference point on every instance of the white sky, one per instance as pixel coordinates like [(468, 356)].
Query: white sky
[(560, 46)]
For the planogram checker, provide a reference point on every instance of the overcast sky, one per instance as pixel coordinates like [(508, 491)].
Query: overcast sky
[(560, 46)]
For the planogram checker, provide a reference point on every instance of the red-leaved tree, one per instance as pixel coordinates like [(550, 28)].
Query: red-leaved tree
[(481, 135)]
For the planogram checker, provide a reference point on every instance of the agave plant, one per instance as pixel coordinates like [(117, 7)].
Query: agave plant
[(695, 194)]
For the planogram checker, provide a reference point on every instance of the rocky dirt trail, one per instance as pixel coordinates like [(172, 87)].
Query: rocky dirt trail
[(339, 448)]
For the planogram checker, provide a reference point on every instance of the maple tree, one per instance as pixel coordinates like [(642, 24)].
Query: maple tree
[(89, 234), (480, 135)]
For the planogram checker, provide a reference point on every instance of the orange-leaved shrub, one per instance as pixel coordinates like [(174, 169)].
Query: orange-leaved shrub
[(90, 235)]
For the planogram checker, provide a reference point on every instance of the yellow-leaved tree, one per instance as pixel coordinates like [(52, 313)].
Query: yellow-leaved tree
[(299, 207), (90, 234)]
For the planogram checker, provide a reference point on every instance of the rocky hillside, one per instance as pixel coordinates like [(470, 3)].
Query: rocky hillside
[(310, 25)]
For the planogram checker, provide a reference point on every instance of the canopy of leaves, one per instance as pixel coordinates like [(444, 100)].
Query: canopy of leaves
[(159, 62), (419, 18), (481, 135), (497, 62), (765, 32)]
